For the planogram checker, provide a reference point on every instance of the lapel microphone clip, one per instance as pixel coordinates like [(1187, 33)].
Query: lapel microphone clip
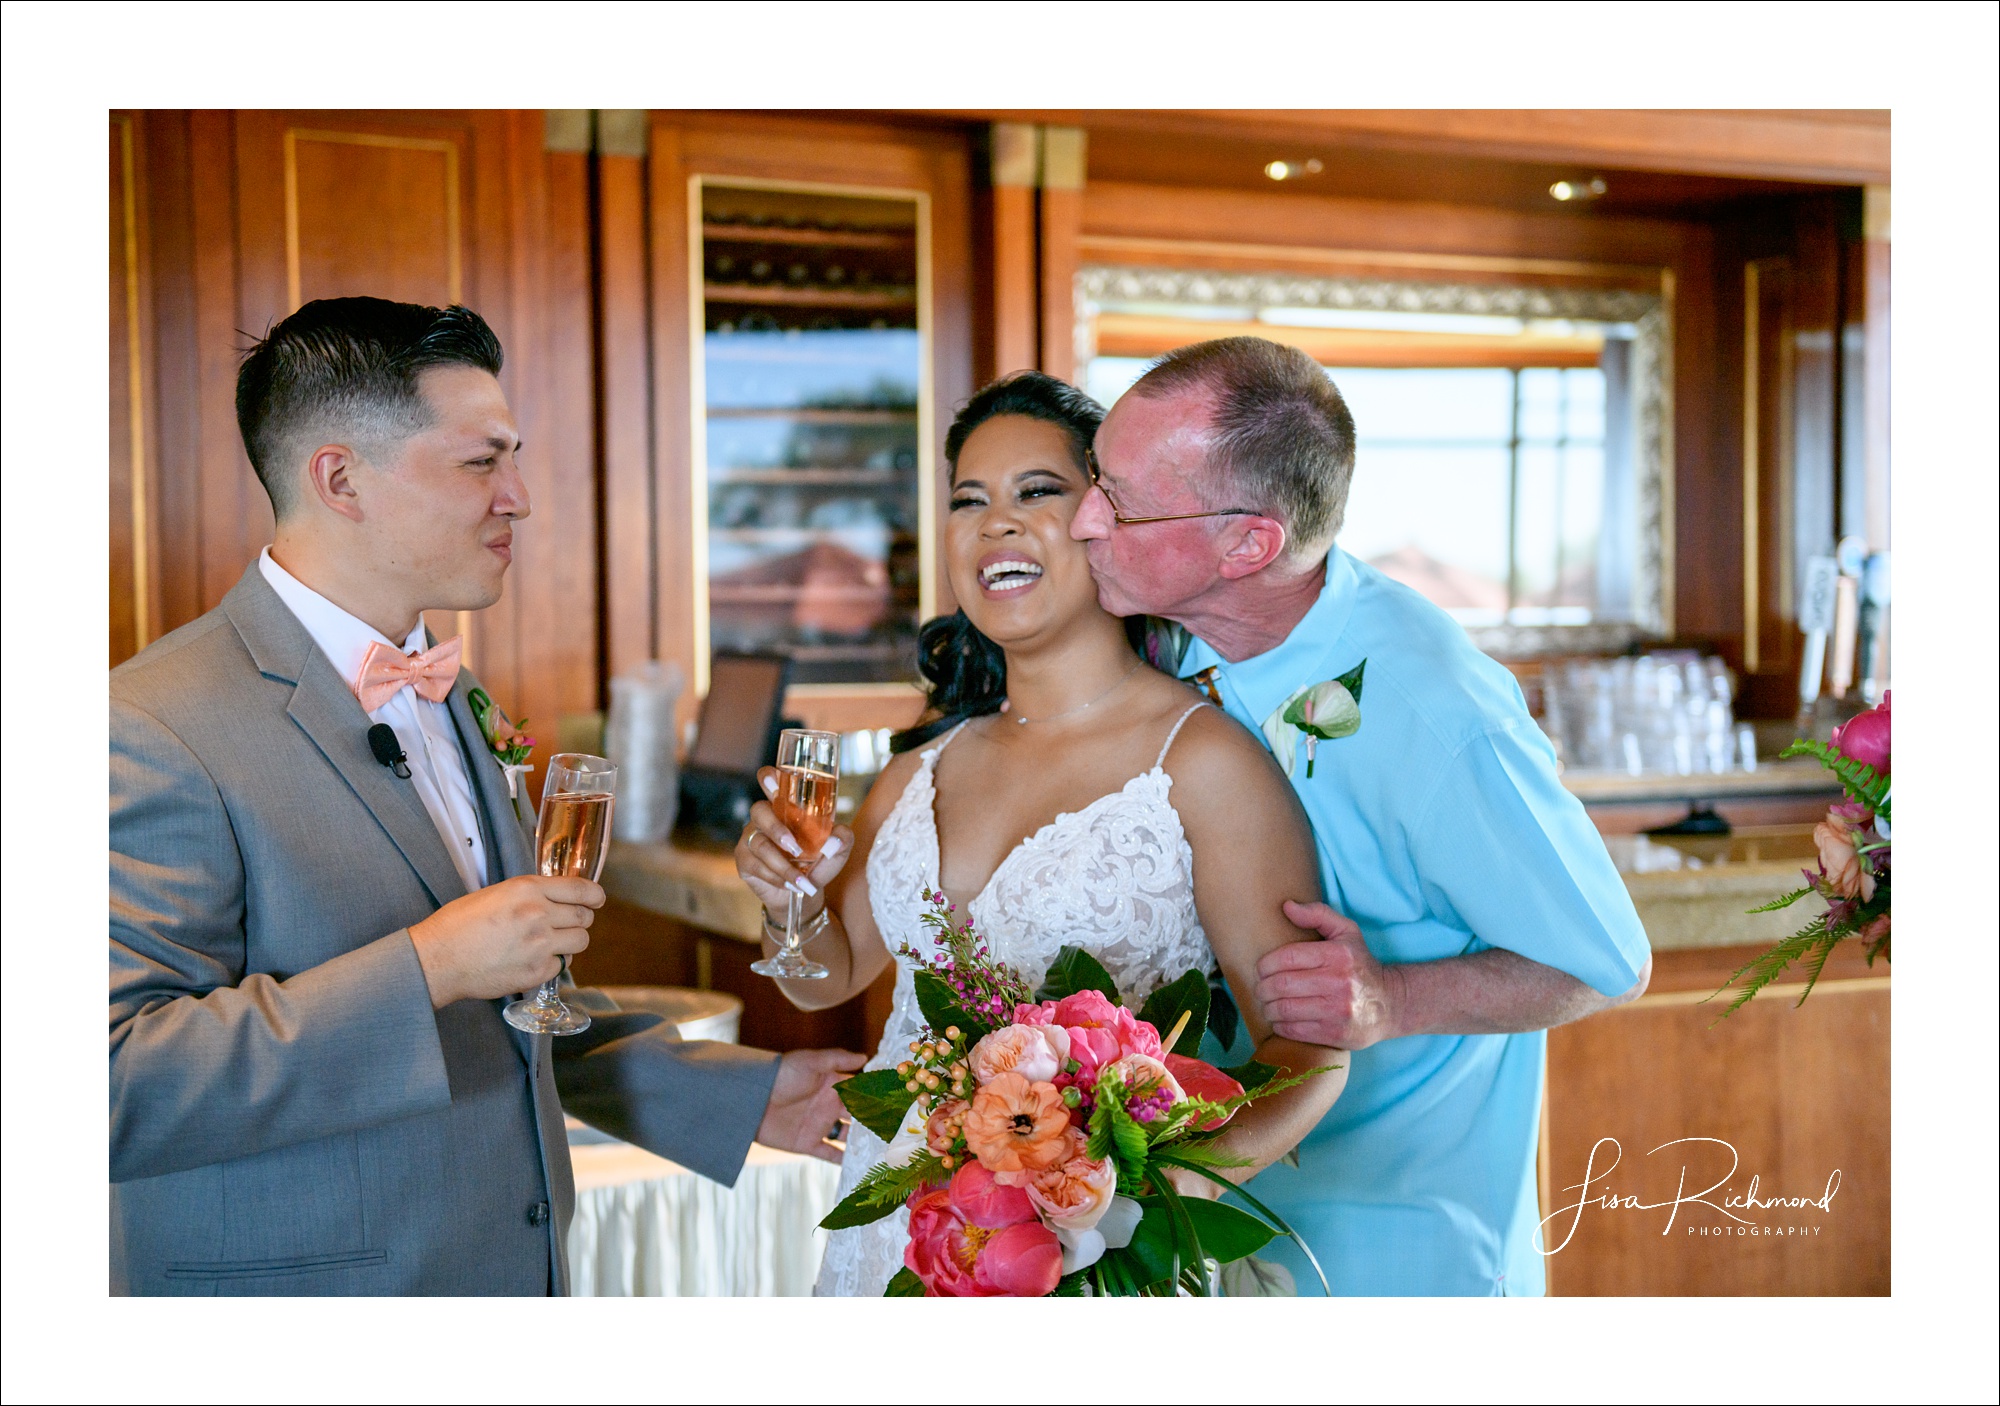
[(382, 742)]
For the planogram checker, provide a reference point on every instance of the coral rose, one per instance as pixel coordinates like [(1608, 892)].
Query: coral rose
[(1035, 1052), (958, 1257), (1074, 1193), (1846, 872), (1204, 1081), (1016, 1125)]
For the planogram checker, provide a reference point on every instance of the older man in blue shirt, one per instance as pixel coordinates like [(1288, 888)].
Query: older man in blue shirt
[(1484, 907)]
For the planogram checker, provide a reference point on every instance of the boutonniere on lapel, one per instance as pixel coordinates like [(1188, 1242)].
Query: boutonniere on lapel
[(1319, 712), (511, 747)]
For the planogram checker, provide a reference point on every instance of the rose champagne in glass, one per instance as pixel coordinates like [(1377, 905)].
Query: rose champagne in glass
[(808, 786), (572, 838)]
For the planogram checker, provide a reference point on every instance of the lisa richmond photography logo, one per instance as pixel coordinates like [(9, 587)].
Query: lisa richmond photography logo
[(1703, 1205)]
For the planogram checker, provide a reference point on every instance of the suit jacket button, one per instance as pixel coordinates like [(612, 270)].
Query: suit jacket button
[(538, 1214)]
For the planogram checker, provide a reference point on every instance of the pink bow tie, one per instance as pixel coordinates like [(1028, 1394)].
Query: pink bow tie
[(385, 671)]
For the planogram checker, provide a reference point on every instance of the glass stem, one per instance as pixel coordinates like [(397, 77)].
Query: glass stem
[(791, 924)]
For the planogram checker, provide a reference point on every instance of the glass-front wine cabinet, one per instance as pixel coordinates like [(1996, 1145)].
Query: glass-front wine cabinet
[(812, 425)]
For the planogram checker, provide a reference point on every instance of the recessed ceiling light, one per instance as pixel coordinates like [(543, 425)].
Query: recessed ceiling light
[(1579, 189), (1292, 170)]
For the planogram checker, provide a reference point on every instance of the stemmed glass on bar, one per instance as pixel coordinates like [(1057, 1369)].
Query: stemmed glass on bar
[(808, 786), (572, 837)]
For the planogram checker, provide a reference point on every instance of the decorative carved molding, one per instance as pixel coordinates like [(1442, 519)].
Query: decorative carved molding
[(1101, 283)]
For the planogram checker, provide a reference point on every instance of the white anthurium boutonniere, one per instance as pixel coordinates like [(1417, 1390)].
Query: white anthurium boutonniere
[(1319, 712)]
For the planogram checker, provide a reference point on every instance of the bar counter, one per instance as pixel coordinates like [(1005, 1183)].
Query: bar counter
[(1691, 891)]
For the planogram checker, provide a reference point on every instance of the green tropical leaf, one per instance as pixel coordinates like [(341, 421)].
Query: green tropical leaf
[(883, 1190), (941, 1009), (1076, 970), (1861, 782), (1787, 901), (1164, 1007), (878, 1100), (1149, 1257), (1261, 1209), (1351, 680), (905, 1285)]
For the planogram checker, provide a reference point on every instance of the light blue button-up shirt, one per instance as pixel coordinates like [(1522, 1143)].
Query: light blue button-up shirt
[(1442, 830)]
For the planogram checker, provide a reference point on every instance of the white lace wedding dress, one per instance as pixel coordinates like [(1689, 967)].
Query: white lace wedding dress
[(1115, 878)]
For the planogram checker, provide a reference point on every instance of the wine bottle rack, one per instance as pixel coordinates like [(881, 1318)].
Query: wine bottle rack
[(811, 429)]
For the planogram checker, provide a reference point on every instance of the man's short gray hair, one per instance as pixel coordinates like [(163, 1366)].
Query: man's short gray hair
[(1282, 434)]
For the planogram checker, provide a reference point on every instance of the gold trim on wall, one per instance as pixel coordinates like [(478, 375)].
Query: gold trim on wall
[(454, 263), (142, 526), (1752, 409), (698, 398)]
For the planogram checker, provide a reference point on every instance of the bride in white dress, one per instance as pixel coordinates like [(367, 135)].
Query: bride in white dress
[(1039, 794)]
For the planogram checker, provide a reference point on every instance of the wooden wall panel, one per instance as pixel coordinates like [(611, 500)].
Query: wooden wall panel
[(258, 210), (1799, 1094), (624, 371)]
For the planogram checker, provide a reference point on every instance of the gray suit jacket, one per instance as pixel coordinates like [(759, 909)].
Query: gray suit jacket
[(288, 1114)]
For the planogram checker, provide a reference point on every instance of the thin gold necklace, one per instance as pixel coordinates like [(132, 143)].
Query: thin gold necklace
[(1051, 717)]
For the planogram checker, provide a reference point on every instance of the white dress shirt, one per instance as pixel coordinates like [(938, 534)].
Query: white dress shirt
[(424, 728)]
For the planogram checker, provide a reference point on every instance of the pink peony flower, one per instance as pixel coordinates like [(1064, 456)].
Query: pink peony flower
[(1847, 874), (1865, 737), (1035, 1052), (1092, 1010), (1204, 1081), (1005, 1252)]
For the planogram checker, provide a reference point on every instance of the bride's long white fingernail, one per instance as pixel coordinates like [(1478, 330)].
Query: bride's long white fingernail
[(770, 785), (832, 848), (789, 845), (805, 886)]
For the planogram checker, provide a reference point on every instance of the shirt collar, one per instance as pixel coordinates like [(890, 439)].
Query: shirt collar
[(343, 638), (1265, 680)]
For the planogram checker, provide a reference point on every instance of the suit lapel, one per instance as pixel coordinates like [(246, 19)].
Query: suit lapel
[(328, 713), (508, 852), (507, 845)]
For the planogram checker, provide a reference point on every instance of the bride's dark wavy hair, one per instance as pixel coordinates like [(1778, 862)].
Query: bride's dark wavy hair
[(965, 671)]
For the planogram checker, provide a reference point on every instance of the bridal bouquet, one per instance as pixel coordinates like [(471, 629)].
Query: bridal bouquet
[(1853, 870), (1029, 1133)]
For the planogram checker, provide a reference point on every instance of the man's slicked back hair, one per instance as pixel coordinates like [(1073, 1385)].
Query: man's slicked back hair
[(345, 371), (1283, 437)]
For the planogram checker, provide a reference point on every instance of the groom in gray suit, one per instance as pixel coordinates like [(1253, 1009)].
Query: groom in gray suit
[(312, 1088)]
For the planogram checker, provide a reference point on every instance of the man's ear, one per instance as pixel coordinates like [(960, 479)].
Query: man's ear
[(1253, 544), (330, 474)]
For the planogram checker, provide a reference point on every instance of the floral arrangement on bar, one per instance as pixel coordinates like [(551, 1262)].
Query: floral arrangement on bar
[(1853, 870), (1029, 1133)]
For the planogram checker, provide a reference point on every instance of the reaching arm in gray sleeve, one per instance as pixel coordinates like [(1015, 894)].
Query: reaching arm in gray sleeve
[(210, 1061), (698, 1103)]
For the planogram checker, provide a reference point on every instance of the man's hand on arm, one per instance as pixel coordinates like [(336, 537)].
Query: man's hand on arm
[(804, 1109), (1334, 992), (506, 938)]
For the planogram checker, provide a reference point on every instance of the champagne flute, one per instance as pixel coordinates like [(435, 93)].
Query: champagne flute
[(572, 837), (808, 786)]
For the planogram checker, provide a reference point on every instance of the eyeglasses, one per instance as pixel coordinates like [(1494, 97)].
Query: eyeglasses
[(1097, 482)]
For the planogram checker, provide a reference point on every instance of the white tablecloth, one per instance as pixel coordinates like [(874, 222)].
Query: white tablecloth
[(646, 1226)]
